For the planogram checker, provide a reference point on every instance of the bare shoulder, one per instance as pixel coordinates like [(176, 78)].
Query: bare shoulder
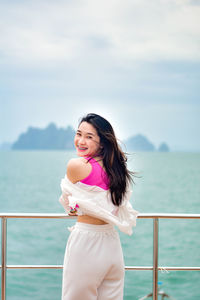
[(77, 169)]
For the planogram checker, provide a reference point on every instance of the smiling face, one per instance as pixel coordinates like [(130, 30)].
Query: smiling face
[(86, 141)]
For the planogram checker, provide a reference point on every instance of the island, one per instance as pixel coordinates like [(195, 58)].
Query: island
[(54, 138), (49, 138)]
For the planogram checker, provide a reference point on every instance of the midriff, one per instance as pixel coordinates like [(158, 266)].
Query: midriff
[(90, 220)]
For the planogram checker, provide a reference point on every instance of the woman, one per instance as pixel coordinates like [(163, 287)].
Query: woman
[(96, 189)]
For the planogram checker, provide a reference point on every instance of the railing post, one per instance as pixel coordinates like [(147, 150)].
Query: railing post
[(3, 258), (155, 259)]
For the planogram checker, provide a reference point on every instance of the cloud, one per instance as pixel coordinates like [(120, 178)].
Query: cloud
[(135, 62), (70, 31)]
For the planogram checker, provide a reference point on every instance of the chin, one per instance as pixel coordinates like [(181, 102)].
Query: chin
[(82, 154)]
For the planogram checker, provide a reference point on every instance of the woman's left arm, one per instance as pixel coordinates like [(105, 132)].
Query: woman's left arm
[(76, 170)]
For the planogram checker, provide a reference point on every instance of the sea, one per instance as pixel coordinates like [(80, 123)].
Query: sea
[(163, 183)]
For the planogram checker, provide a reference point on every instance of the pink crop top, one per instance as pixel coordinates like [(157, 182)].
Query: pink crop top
[(97, 176)]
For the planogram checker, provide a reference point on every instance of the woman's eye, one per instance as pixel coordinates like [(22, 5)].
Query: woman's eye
[(89, 137), (78, 134)]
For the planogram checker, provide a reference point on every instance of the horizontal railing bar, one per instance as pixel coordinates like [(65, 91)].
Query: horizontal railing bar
[(179, 269), (36, 215), (128, 268), (34, 266), (168, 216), (65, 216), (164, 268)]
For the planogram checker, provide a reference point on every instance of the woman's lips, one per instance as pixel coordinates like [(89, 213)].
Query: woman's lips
[(82, 149)]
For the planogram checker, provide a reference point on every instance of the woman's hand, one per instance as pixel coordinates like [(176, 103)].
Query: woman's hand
[(73, 211), (72, 214)]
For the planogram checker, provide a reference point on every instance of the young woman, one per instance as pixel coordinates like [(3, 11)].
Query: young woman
[(96, 188)]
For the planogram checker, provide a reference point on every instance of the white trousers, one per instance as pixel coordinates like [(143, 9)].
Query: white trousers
[(93, 264)]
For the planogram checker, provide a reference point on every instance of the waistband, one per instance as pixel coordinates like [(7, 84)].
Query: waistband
[(93, 227)]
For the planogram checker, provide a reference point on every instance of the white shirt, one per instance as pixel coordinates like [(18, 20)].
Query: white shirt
[(96, 202)]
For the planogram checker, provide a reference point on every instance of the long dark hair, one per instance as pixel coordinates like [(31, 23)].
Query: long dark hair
[(114, 159)]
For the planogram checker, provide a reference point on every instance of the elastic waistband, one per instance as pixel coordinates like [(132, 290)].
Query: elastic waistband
[(92, 227)]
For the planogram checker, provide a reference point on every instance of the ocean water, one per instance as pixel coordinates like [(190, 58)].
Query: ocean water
[(168, 183)]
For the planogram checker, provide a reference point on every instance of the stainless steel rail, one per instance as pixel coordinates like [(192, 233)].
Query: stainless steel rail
[(155, 268)]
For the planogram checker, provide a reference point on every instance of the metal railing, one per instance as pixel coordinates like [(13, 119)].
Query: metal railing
[(155, 268)]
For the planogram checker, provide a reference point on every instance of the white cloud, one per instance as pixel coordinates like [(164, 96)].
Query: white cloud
[(125, 60), (49, 32)]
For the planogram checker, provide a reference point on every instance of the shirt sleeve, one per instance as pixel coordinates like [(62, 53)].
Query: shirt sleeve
[(65, 203)]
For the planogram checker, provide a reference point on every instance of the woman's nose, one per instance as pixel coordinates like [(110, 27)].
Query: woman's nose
[(82, 140)]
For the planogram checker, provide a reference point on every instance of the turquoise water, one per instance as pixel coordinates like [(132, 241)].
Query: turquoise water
[(169, 183)]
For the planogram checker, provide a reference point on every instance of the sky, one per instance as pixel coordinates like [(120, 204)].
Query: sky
[(135, 62)]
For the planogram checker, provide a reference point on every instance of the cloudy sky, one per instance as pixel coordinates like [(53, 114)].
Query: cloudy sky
[(135, 62)]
